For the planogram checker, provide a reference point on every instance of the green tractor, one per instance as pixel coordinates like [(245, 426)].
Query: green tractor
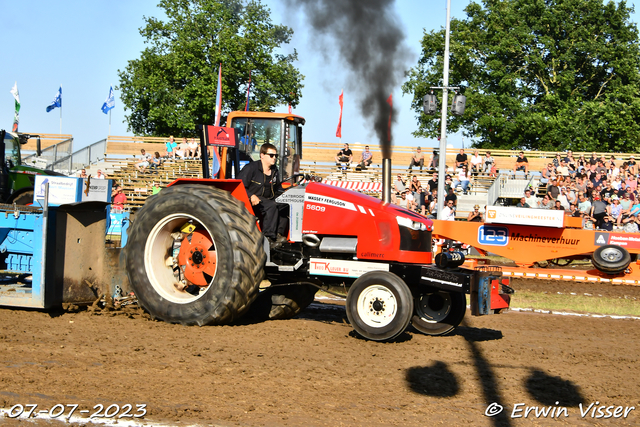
[(16, 179)]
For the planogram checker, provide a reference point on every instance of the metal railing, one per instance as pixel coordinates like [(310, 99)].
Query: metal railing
[(59, 157)]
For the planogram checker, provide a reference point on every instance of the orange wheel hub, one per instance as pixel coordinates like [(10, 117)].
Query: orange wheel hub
[(197, 258)]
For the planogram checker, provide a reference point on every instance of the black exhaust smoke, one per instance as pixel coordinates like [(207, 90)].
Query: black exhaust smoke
[(370, 42)]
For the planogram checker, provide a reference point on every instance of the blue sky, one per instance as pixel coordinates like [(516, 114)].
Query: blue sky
[(82, 44)]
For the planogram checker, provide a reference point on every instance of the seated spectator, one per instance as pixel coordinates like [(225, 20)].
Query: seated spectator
[(421, 198), (156, 161), (144, 163), (399, 185), (100, 175), (556, 160), (488, 162), (461, 159), (522, 164), (606, 224), (366, 159), (194, 149), (523, 203), (170, 148), (83, 173), (451, 197), (476, 163), (183, 149), (552, 189), (449, 211), (402, 200), (434, 160), (545, 203), (118, 198), (463, 179), (475, 215), (558, 206), (530, 198), (573, 210), (584, 206), (614, 210), (632, 165), (414, 184), (562, 169), (344, 156), (417, 159)]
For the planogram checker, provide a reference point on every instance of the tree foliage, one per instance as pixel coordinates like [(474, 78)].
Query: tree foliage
[(538, 74), (172, 86)]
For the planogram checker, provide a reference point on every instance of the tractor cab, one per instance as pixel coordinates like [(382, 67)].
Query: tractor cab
[(257, 128)]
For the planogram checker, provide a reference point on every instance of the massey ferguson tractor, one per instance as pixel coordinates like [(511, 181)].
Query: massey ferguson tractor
[(196, 256)]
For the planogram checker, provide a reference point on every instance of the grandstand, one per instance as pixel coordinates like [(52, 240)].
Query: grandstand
[(123, 152)]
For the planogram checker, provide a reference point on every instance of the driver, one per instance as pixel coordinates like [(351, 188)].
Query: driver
[(260, 179)]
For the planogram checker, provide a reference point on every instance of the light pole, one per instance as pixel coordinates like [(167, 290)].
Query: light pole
[(443, 118)]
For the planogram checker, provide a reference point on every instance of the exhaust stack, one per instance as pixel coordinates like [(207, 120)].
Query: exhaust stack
[(386, 180)]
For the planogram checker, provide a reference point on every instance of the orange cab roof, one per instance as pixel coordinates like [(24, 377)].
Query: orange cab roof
[(264, 115)]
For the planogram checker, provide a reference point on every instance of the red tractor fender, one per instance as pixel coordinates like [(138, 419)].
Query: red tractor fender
[(233, 186)]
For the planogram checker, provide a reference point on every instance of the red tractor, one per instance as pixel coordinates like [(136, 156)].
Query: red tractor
[(196, 256)]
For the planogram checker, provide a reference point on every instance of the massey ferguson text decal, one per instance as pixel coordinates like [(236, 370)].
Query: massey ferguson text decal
[(341, 268), (329, 201)]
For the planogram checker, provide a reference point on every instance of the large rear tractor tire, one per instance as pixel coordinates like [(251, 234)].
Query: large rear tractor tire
[(611, 259), (283, 302), (438, 313), (379, 305), (195, 256)]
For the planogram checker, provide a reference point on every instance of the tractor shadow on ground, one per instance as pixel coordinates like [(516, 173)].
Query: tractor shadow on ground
[(472, 334), (552, 391)]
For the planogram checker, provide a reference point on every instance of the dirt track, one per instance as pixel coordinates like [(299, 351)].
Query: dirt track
[(314, 371)]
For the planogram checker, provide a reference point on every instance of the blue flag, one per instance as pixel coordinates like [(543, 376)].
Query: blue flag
[(110, 102), (57, 101)]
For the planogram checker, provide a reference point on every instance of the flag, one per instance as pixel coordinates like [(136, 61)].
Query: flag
[(290, 111), (246, 105), (57, 101), (219, 98), (390, 102), (110, 102), (16, 116), (339, 130)]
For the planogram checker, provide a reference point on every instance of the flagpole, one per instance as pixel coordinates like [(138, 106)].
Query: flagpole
[(60, 109), (109, 122)]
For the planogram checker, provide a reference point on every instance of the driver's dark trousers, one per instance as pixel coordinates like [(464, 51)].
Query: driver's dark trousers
[(275, 217)]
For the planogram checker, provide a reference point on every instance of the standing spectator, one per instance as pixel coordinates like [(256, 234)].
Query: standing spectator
[(417, 159), (488, 162), (475, 215), (598, 209), (171, 148), (344, 156), (522, 164), (461, 159), (366, 158), (144, 163)]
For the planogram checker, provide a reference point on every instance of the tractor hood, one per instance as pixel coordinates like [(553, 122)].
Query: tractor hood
[(384, 231)]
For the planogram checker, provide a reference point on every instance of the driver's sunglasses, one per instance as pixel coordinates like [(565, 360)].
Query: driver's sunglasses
[(272, 155)]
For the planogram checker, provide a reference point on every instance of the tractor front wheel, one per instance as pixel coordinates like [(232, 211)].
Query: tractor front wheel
[(379, 305), (195, 256), (438, 313), (611, 259)]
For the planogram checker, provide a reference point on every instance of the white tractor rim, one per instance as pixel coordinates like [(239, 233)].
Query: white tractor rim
[(431, 310), (377, 306), (156, 252)]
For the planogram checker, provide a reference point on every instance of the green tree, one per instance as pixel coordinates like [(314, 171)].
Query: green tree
[(538, 74), (172, 86)]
